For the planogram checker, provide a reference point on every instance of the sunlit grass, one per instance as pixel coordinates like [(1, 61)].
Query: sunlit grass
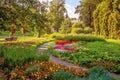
[(30, 39), (113, 40), (17, 33)]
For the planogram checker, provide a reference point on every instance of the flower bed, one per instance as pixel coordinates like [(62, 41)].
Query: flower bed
[(91, 54), (42, 70), (63, 45)]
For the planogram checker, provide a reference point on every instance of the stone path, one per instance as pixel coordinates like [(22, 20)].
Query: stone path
[(56, 60)]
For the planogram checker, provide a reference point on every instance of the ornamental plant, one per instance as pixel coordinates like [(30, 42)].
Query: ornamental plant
[(79, 38), (41, 70)]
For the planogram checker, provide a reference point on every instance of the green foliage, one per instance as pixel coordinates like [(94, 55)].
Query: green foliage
[(44, 56), (99, 73), (88, 30), (77, 28), (65, 27), (107, 18), (56, 15), (62, 75), (118, 68), (17, 33), (89, 54), (85, 11), (80, 38), (32, 68), (27, 15), (20, 55)]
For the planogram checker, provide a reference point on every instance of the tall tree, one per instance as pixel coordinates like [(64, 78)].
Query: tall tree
[(56, 14), (85, 11), (30, 13), (107, 19), (65, 26)]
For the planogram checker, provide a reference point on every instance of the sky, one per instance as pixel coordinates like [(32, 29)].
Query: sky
[(70, 6)]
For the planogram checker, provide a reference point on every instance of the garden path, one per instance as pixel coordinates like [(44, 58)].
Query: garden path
[(64, 63), (54, 59)]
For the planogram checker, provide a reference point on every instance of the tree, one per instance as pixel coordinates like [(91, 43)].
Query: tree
[(56, 14), (12, 30), (65, 26), (30, 13), (107, 19), (77, 28), (85, 11)]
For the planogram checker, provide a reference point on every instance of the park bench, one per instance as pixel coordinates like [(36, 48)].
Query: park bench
[(11, 39)]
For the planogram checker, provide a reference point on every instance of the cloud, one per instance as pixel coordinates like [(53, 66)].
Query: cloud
[(71, 11)]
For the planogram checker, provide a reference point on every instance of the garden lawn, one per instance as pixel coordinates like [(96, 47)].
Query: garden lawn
[(17, 33), (90, 54)]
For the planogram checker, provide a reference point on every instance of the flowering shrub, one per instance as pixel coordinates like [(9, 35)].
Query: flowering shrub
[(63, 42), (64, 45), (45, 71)]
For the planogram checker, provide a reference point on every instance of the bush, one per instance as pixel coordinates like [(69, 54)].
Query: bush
[(91, 54), (88, 30), (77, 28), (53, 35), (65, 27), (80, 38), (44, 56), (32, 68), (99, 73), (62, 75)]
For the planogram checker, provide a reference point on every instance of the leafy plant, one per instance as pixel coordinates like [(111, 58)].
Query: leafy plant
[(77, 28), (62, 75), (99, 73), (88, 30), (44, 71), (91, 54), (44, 56), (32, 68), (19, 55), (80, 38)]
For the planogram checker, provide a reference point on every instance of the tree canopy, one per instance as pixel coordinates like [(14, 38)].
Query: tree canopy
[(85, 11), (107, 19), (30, 13), (56, 14)]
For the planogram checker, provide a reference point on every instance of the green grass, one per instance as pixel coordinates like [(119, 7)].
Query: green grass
[(17, 33)]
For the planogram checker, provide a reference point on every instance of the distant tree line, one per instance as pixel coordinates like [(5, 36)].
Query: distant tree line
[(100, 16)]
